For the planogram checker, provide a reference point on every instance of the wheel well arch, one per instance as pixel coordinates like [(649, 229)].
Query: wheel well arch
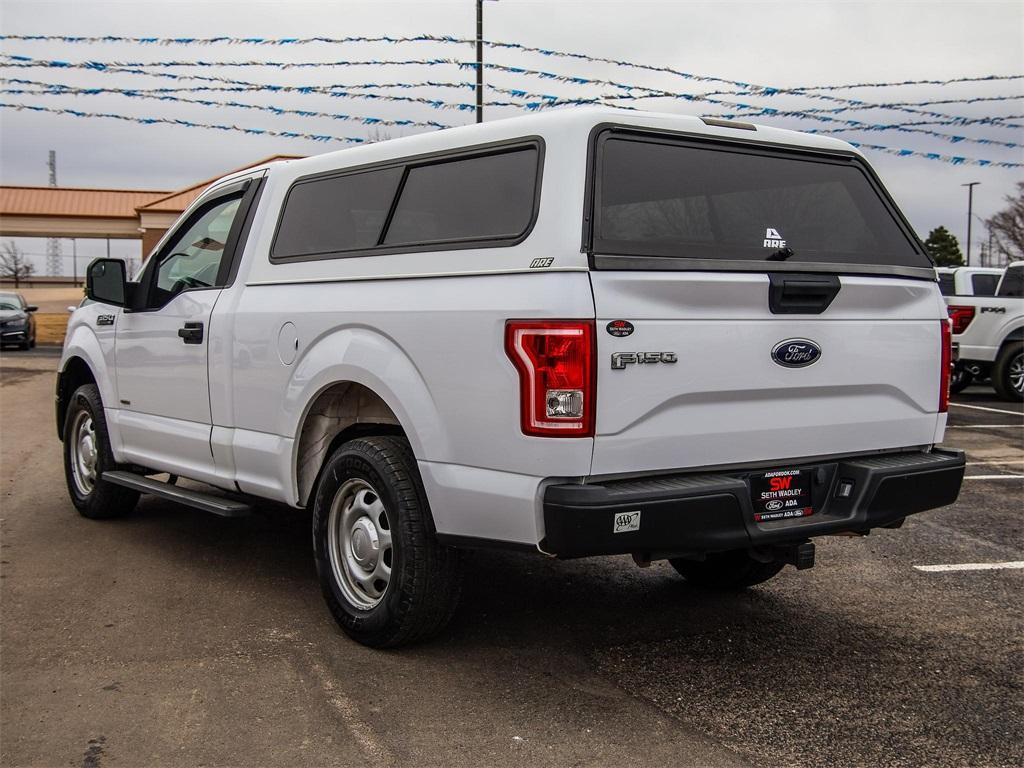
[(338, 413), (1014, 336), (75, 373)]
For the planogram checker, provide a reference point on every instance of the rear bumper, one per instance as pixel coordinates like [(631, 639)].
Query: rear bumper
[(693, 514)]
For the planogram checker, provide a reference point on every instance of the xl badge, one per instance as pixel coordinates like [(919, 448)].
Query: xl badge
[(796, 353)]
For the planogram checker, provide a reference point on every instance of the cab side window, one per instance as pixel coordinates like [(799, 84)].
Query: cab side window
[(194, 256)]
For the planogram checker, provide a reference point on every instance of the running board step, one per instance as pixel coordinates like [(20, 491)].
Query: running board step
[(208, 502)]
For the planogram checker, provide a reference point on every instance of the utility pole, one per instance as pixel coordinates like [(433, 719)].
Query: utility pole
[(53, 256), (479, 61), (970, 214)]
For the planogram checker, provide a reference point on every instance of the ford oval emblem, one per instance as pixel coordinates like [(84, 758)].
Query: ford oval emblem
[(796, 353)]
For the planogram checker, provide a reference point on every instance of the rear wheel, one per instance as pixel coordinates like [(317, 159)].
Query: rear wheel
[(726, 570), (385, 578), (87, 456), (1008, 373)]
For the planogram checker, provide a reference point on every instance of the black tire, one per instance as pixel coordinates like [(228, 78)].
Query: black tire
[(23, 346), (1008, 373), (960, 380), (726, 570), (103, 500), (425, 577)]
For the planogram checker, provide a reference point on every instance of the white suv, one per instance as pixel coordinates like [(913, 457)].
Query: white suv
[(587, 332)]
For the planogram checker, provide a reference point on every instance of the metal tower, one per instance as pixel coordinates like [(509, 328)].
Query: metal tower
[(54, 260)]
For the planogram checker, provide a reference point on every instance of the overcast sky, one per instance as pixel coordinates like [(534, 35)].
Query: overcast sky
[(777, 44)]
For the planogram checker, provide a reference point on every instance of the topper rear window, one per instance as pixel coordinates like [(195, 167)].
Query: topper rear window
[(660, 196)]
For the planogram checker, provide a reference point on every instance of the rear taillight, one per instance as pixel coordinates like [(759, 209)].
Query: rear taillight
[(945, 368), (555, 360), (961, 317)]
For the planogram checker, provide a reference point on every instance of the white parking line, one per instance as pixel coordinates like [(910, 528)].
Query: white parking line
[(993, 477), (971, 566), (983, 408)]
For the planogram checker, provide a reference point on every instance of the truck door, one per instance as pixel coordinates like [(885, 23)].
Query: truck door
[(162, 343)]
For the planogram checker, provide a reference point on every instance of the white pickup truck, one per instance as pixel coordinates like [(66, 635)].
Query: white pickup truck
[(988, 332), (589, 332)]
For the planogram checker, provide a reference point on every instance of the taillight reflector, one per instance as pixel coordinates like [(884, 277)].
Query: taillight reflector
[(961, 317), (946, 367), (555, 361)]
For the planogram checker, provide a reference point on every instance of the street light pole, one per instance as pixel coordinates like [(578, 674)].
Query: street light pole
[(970, 213), (479, 61)]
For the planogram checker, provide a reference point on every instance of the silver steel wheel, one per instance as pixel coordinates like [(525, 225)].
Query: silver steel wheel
[(359, 543), (1016, 373), (84, 453)]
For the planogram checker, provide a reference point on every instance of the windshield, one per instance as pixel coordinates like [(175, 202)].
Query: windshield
[(7, 304), (660, 196)]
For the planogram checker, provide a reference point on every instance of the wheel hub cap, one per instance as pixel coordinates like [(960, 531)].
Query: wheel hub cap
[(84, 453), (359, 543), (1017, 373), (365, 543)]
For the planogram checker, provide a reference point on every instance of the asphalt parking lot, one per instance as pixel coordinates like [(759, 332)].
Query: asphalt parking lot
[(176, 638)]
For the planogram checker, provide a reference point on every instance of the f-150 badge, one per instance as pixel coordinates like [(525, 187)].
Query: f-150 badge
[(621, 359)]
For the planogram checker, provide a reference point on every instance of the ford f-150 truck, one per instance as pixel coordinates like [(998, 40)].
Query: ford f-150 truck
[(989, 335), (589, 332)]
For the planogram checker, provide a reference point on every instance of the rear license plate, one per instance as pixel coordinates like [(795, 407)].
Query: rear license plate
[(781, 494)]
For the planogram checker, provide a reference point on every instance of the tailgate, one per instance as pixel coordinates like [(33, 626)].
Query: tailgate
[(780, 305), (727, 400)]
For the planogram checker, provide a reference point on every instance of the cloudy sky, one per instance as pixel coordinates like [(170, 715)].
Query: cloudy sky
[(784, 45)]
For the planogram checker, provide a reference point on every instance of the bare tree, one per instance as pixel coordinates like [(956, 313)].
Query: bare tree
[(1007, 226), (13, 265)]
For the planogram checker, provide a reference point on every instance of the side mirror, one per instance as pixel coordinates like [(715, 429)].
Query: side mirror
[(106, 282), (31, 308)]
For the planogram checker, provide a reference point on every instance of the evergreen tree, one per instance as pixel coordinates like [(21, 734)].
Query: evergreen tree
[(944, 248)]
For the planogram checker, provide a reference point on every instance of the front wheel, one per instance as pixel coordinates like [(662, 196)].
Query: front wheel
[(385, 577), (87, 456), (1008, 373), (726, 570)]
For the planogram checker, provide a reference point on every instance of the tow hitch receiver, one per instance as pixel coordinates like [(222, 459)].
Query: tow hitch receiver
[(799, 555)]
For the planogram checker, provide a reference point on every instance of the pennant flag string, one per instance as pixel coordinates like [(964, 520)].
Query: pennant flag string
[(449, 39), (953, 159), (629, 89), (749, 111), (66, 90), (185, 123)]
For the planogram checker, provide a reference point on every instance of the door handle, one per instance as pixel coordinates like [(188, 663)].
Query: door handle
[(192, 333)]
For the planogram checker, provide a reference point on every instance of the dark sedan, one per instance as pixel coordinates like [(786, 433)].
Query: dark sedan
[(17, 325)]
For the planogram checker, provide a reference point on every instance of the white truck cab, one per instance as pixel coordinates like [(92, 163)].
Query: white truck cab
[(586, 332)]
